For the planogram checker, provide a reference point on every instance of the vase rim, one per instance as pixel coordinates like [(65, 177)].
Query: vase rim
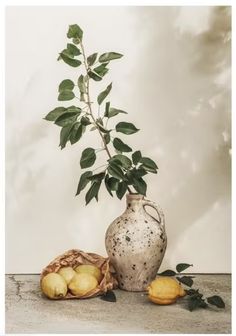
[(134, 196)]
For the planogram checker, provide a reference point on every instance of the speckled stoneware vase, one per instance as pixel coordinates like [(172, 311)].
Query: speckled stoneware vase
[(136, 244)]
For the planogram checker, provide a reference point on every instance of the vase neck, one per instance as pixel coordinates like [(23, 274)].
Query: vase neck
[(134, 201)]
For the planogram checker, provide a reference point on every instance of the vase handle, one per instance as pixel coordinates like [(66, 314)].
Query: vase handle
[(159, 211)]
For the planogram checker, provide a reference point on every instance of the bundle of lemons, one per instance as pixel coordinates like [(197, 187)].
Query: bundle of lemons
[(79, 281)]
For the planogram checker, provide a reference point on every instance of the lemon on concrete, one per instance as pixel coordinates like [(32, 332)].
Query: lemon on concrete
[(90, 269), (164, 290), (54, 286), (67, 273), (82, 283)]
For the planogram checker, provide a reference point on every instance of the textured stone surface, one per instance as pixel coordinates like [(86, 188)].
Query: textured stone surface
[(27, 311)]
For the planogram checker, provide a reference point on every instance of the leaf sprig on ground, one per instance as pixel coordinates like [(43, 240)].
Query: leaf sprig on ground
[(195, 298)]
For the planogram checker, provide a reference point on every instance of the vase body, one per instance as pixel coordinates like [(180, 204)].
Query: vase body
[(136, 244)]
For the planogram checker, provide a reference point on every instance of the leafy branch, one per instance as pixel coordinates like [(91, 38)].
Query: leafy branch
[(125, 168), (195, 298)]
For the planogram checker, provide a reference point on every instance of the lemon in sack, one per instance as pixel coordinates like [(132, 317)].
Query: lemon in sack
[(90, 269), (82, 283), (54, 286), (67, 273)]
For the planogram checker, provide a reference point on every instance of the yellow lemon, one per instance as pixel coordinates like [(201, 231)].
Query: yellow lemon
[(82, 283), (53, 285), (90, 269), (67, 273), (164, 290)]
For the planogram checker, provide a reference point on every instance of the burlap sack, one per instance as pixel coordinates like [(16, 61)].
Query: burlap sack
[(74, 258)]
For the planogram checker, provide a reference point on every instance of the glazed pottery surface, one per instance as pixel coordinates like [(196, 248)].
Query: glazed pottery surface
[(136, 243)]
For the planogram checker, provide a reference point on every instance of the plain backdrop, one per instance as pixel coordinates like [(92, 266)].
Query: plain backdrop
[(174, 81)]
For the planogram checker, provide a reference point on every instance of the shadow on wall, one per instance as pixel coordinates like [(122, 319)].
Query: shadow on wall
[(186, 74)]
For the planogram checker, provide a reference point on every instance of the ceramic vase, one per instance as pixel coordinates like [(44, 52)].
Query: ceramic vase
[(136, 243)]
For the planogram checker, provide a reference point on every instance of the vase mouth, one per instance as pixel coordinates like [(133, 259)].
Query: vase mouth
[(134, 196)]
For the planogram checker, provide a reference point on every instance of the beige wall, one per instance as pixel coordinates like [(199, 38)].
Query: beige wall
[(175, 83)]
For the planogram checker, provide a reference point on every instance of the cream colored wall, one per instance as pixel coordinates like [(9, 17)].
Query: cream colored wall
[(175, 83)]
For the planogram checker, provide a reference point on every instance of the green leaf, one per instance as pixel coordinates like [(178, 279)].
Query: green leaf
[(91, 59), (94, 76), (107, 185), (139, 172), (66, 95), (104, 94), (111, 112), (126, 128), (66, 118), (112, 183), (182, 267), (75, 32), (101, 70), (122, 187), (216, 300), (83, 181), (109, 296), (97, 177), (134, 174), (109, 57), (115, 171), (76, 133), (70, 61), (73, 108), (140, 186), (148, 163), (168, 273), (81, 84), (93, 191), (66, 84), (73, 50), (107, 107), (88, 158), (148, 169), (186, 280), (107, 138), (64, 135), (136, 157), (124, 160), (54, 114), (93, 128), (121, 146), (192, 292), (85, 121), (65, 52), (196, 302)]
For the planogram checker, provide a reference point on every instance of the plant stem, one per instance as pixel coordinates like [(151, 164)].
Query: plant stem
[(90, 106), (89, 101)]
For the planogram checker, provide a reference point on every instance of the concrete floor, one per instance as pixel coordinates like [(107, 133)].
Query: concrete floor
[(28, 311)]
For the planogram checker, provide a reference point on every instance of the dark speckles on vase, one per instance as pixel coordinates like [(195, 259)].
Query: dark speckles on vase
[(127, 238), (161, 250)]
